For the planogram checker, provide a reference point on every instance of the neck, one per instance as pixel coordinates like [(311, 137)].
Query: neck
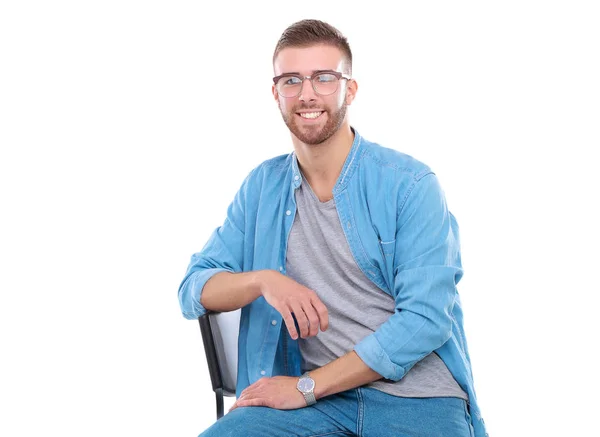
[(322, 163)]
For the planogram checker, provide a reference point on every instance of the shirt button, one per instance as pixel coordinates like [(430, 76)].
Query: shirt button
[(281, 268), (273, 322), (262, 372), (288, 212), (296, 178)]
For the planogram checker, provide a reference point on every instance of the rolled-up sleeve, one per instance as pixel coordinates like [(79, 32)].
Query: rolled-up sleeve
[(427, 268), (224, 251)]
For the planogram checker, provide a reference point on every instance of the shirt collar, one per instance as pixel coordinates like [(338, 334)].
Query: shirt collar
[(347, 170)]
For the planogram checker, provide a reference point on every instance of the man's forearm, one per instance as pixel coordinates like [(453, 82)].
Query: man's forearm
[(345, 373), (227, 291)]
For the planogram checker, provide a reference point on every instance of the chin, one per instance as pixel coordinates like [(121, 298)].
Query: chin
[(313, 139)]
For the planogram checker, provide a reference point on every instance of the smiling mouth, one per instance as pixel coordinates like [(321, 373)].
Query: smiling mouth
[(310, 115)]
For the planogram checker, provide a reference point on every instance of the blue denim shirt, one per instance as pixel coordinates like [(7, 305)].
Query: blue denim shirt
[(402, 236)]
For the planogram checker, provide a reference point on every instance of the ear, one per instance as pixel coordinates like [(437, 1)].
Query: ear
[(351, 90), (275, 94)]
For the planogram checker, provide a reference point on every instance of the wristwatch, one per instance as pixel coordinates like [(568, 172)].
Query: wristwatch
[(306, 386)]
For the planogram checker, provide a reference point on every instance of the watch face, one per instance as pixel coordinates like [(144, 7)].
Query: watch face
[(306, 384)]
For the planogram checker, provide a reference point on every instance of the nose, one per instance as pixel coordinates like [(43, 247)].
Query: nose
[(307, 92)]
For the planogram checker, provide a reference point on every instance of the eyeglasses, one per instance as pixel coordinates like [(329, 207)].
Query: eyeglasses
[(324, 83)]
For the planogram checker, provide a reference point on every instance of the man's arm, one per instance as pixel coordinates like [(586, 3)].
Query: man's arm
[(215, 279), (427, 268), (223, 252), (280, 392), (345, 373), (229, 291)]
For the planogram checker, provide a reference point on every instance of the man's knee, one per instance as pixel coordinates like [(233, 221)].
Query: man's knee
[(263, 421), (248, 422)]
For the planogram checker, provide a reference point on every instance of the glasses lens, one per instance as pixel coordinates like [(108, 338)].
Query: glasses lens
[(289, 86), (325, 83)]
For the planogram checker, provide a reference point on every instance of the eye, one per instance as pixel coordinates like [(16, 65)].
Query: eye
[(325, 78), (291, 80)]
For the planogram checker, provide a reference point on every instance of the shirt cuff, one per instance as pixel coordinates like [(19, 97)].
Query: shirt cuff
[(189, 295), (370, 351)]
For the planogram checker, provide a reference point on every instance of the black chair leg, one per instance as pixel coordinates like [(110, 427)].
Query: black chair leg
[(219, 395)]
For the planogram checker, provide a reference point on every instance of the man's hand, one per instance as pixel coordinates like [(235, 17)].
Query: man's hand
[(278, 392), (289, 297)]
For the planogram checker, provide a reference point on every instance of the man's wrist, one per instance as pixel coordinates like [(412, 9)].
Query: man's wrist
[(306, 386), (257, 283), (341, 374)]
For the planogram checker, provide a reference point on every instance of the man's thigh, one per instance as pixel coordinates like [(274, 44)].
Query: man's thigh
[(330, 417), (386, 415)]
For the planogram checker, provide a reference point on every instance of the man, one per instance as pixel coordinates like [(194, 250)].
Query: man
[(344, 259)]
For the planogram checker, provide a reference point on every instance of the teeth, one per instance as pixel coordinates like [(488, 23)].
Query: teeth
[(310, 114)]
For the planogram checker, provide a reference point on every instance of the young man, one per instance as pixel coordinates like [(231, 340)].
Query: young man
[(344, 259)]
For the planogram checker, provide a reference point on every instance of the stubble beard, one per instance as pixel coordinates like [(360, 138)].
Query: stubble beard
[(314, 135)]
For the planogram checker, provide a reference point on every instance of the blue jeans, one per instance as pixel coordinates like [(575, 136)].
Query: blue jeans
[(363, 412)]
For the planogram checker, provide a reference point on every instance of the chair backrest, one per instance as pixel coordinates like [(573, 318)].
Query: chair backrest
[(225, 331)]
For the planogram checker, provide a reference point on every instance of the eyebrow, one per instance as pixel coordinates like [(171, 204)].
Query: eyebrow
[(296, 73)]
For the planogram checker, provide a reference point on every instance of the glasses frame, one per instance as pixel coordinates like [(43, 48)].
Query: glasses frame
[(337, 74)]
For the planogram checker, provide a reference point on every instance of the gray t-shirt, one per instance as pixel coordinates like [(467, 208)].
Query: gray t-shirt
[(319, 258)]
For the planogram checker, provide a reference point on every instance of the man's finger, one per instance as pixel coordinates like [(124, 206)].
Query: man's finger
[(322, 312), (301, 319), (257, 402), (289, 323), (313, 319)]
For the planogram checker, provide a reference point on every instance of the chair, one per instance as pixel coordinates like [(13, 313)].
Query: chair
[(220, 338)]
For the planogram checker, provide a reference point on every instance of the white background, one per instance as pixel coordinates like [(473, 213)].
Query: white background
[(127, 126)]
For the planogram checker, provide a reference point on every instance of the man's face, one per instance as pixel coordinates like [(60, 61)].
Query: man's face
[(311, 117)]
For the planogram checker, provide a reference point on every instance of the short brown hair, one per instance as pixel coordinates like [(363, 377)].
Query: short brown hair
[(306, 33)]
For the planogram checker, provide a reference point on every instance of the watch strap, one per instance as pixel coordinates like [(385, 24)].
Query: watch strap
[(309, 398)]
